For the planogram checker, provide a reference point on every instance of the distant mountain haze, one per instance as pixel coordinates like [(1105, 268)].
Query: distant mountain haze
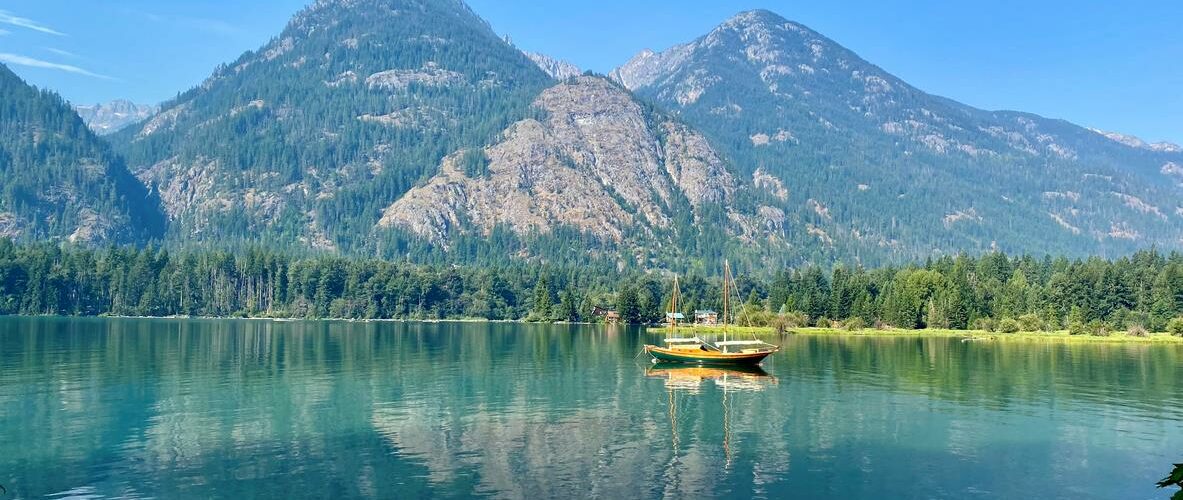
[(409, 129), (111, 117)]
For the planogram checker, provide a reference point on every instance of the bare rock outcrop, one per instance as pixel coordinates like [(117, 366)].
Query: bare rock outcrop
[(599, 162)]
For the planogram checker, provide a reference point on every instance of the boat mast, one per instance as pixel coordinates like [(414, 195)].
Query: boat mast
[(673, 314), (726, 296)]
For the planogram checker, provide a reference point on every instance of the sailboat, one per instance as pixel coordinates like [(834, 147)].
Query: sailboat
[(695, 350)]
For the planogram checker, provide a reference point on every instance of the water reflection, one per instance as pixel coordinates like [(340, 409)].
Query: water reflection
[(691, 377), (163, 408)]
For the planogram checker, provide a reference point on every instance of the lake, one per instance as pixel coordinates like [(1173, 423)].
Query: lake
[(131, 408)]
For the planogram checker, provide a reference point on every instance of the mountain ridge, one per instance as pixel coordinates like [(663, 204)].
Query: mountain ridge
[(782, 97), (59, 181), (303, 140)]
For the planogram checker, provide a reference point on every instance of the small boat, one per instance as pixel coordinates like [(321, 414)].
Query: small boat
[(695, 350)]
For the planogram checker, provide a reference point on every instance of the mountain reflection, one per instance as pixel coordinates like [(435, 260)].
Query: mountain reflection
[(192, 408)]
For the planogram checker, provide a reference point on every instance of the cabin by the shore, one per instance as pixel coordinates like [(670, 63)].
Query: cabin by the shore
[(673, 318), (706, 317), (611, 317)]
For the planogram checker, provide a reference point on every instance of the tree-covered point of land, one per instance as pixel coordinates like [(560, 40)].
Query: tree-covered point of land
[(1139, 293)]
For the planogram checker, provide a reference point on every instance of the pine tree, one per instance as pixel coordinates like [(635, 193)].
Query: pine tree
[(628, 305)]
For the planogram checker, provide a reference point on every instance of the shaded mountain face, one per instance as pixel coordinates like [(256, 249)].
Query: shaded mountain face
[(58, 181), (111, 117), (873, 168), (306, 140)]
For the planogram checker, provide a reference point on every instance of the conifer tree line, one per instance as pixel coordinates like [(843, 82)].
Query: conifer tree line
[(1143, 292)]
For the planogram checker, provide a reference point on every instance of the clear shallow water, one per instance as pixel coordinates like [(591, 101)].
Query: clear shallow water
[(238, 409)]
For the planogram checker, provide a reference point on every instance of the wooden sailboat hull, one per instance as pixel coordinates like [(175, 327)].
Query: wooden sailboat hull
[(704, 357)]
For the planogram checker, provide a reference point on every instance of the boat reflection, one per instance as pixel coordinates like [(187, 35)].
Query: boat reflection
[(690, 378)]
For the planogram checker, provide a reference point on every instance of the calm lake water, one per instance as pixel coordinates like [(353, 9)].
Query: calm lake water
[(100, 408)]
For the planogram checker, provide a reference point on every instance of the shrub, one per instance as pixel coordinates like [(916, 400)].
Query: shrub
[(881, 325), (1076, 328), (854, 324), (1030, 323), (1141, 319), (752, 315), (986, 324), (824, 322), (1098, 328), (1008, 325), (785, 322), (796, 319), (1137, 331), (1175, 327), (780, 324)]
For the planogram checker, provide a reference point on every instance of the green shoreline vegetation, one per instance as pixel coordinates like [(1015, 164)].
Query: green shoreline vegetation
[(993, 295)]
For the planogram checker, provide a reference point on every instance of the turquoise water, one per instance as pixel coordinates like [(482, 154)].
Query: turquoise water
[(128, 408)]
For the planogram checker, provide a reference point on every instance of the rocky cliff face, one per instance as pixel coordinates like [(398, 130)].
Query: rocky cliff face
[(598, 162), (111, 117)]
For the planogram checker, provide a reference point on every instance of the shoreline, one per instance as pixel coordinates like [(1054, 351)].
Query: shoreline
[(965, 335)]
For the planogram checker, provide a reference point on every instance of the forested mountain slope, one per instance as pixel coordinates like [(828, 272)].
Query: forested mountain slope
[(58, 181), (306, 140), (875, 168)]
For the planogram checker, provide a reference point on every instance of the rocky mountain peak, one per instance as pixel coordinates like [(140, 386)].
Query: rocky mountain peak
[(783, 54), (754, 18), (647, 66), (355, 99), (113, 116), (1138, 143), (556, 68)]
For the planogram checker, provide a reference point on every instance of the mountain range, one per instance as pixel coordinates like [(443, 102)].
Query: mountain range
[(410, 129), (111, 117)]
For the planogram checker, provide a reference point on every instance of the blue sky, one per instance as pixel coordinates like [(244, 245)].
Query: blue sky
[(1110, 65)]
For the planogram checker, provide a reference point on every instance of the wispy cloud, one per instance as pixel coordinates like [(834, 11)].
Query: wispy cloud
[(23, 22), (20, 60), (215, 26), (63, 53), (5, 32)]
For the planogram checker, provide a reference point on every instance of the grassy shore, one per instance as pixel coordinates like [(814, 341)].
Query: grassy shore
[(976, 335)]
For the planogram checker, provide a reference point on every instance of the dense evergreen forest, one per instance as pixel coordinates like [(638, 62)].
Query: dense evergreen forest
[(1140, 293)]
